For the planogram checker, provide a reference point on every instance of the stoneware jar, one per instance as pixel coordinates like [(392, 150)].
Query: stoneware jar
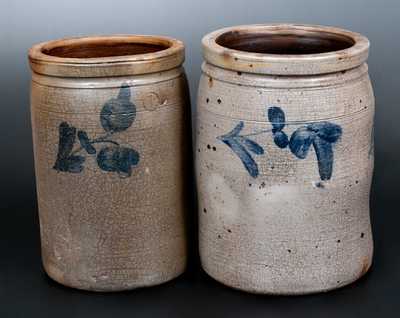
[(110, 145), (285, 158)]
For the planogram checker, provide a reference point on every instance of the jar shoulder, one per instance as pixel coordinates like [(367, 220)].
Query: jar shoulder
[(308, 98), (148, 92)]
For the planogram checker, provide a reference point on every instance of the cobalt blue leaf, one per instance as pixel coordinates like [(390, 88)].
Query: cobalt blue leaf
[(132, 157), (124, 92), (118, 159), (107, 158), (277, 118), (300, 142), (324, 152), (73, 164), (251, 145), (235, 131), (327, 131), (127, 158), (66, 140), (85, 142), (281, 139), (65, 162), (118, 113), (242, 153)]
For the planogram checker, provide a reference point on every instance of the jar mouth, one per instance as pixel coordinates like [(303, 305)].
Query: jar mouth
[(285, 49), (284, 43), (100, 48), (98, 56)]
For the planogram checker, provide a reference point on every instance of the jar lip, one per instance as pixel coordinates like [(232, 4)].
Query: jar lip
[(303, 37), (106, 55)]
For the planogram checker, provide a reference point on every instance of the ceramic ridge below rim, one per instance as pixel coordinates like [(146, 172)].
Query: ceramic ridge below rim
[(169, 58), (286, 64)]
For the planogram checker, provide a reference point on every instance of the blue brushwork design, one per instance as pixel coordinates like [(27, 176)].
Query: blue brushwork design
[(118, 159), (242, 146), (66, 161), (116, 116), (320, 135), (277, 118), (300, 142), (85, 142), (118, 113)]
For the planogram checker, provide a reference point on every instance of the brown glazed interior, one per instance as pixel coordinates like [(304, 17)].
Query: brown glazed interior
[(102, 49), (288, 43)]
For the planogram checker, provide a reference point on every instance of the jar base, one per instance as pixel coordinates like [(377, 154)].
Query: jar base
[(288, 292), (57, 276)]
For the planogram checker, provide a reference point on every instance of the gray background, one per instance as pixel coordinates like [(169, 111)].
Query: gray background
[(24, 288), (23, 23)]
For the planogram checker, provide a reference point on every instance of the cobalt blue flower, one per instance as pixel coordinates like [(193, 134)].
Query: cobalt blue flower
[(300, 142), (321, 135), (324, 153), (276, 116), (281, 139), (118, 159), (118, 113), (327, 131)]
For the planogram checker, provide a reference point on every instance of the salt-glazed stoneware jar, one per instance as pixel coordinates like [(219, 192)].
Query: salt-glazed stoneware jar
[(285, 158), (111, 145)]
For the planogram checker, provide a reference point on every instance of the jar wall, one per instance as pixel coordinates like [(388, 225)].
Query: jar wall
[(111, 217), (289, 216)]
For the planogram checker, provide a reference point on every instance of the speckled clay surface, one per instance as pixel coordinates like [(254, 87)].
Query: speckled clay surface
[(110, 147), (284, 160)]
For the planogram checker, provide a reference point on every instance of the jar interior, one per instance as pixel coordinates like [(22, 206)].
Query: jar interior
[(102, 48), (285, 42)]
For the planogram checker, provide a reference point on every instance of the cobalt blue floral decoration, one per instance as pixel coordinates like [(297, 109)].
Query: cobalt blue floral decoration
[(118, 113), (277, 118), (116, 116), (66, 161), (118, 159), (321, 136), (242, 146)]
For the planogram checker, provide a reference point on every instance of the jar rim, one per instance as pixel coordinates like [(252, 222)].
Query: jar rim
[(285, 49), (106, 55)]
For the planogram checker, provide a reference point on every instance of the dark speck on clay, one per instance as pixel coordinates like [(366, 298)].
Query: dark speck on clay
[(319, 185)]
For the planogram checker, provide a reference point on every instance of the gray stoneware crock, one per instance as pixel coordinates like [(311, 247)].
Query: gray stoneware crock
[(284, 158), (111, 148)]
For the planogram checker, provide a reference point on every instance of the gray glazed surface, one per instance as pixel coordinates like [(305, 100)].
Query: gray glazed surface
[(284, 162), (111, 147)]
